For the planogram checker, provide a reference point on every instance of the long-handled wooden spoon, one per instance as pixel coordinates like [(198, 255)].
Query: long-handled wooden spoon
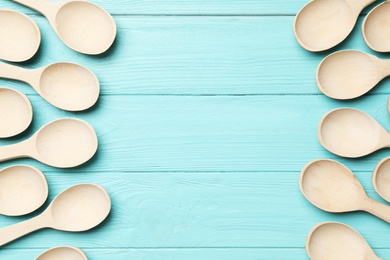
[(350, 73), (337, 241), (20, 36), (331, 186), (322, 24), (63, 143), (63, 253), (376, 31), (15, 112), (82, 25), (78, 208), (66, 85), (351, 133), (23, 189)]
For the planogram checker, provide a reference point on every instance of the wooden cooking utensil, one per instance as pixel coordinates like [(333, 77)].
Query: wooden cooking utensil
[(376, 31), (350, 73), (322, 24), (20, 36), (63, 253), (15, 112), (351, 133), (63, 143), (83, 26), (23, 190), (331, 186), (66, 85), (337, 241), (381, 178), (78, 208)]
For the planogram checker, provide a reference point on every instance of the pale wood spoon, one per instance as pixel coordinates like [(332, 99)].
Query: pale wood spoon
[(337, 241), (82, 25), (66, 85), (381, 178), (375, 27), (15, 112), (331, 186), (63, 143), (78, 208), (350, 73), (322, 24), (20, 36), (23, 189), (351, 133), (63, 253)]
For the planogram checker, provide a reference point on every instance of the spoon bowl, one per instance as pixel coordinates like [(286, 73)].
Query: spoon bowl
[(381, 178), (15, 112), (376, 28), (63, 253)]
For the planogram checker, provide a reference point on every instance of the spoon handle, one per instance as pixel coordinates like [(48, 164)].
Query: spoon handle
[(9, 71), (378, 209), (10, 233), (12, 151), (43, 6)]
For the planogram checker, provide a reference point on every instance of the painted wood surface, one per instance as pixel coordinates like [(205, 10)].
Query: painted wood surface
[(208, 112)]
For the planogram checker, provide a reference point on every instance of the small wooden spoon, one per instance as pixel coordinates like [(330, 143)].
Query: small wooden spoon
[(15, 112), (376, 31), (63, 143), (322, 24), (337, 241), (331, 186), (381, 178), (63, 253), (350, 73), (351, 133), (23, 189), (66, 85), (83, 26), (20, 36), (78, 208)]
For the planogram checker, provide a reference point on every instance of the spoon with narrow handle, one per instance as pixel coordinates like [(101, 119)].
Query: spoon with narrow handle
[(15, 112), (331, 186), (23, 190), (63, 253), (351, 133), (20, 36), (66, 85), (375, 27), (78, 208), (83, 26), (62, 143), (350, 73), (337, 241), (322, 24)]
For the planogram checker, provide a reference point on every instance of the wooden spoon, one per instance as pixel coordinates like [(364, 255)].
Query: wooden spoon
[(20, 36), (63, 143), (322, 24), (350, 73), (375, 27), (331, 186), (381, 178), (351, 133), (15, 112), (78, 208), (83, 26), (23, 189), (66, 85), (63, 253), (337, 241)]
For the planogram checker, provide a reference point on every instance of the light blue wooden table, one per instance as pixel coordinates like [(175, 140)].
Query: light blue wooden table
[(208, 112)]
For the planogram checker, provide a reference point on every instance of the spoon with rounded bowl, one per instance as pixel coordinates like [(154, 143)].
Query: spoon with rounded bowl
[(63, 253), (375, 27), (23, 189), (83, 26), (349, 74), (20, 36), (66, 85), (337, 241), (78, 208), (15, 112), (62, 143), (331, 186), (351, 133), (381, 178), (322, 24)]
